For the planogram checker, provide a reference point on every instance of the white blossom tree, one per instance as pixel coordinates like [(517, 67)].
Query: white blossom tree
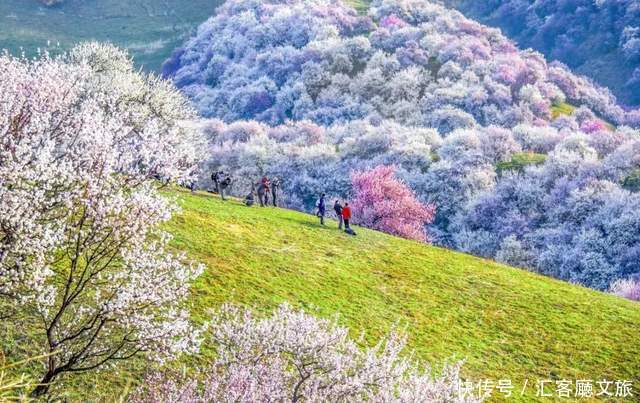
[(82, 138), (293, 356)]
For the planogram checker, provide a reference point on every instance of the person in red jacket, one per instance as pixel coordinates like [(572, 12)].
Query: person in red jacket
[(346, 216)]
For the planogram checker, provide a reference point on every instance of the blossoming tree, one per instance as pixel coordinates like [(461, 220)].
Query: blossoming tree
[(627, 288), (82, 138), (383, 202), (293, 356)]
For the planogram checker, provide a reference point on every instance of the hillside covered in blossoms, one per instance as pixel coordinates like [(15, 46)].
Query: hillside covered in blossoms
[(525, 161), (600, 39)]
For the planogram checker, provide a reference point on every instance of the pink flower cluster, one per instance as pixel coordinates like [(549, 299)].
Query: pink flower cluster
[(384, 203)]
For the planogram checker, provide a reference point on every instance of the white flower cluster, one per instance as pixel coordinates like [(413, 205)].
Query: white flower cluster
[(293, 356), (83, 138)]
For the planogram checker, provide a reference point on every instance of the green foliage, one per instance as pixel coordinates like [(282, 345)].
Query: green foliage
[(632, 182), (149, 29), (520, 161), (507, 323), (562, 109), (361, 5)]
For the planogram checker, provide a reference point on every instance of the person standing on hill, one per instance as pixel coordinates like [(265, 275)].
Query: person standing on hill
[(321, 209), (274, 191), (224, 181), (263, 191), (267, 188), (346, 215), (215, 177), (337, 207)]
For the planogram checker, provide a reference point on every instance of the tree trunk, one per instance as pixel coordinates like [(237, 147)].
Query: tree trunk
[(43, 386)]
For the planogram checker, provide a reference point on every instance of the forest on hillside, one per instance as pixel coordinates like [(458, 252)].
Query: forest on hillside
[(524, 161), (600, 39)]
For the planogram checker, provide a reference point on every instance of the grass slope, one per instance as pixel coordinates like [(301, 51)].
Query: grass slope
[(149, 29), (506, 322)]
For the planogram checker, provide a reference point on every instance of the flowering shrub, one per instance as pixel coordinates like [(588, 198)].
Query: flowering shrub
[(628, 288), (83, 137), (384, 203), (293, 356)]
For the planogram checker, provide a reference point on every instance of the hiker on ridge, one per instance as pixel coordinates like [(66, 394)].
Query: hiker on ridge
[(250, 198), (263, 191), (224, 181), (346, 215), (215, 177), (337, 207), (275, 185), (321, 209)]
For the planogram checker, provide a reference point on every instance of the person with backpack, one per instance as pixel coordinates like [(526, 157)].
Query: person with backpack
[(346, 215), (274, 191), (337, 207), (321, 209)]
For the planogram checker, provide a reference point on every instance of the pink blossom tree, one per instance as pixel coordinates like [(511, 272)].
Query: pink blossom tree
[(385, 203), (82, 138), (296, 357)]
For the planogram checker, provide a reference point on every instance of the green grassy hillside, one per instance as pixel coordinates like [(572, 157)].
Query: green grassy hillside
[(507, 323), (149, 29)]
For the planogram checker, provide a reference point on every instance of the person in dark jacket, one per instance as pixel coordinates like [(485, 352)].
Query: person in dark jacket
[(224, 181), (263, 191), (337, 207), (322, 209), (275, 185), (215, 177), (250, 199)]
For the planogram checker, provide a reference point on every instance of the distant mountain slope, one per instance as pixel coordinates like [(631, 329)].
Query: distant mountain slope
[(149, 29), (600, 39), (507, 323), (413, 61)]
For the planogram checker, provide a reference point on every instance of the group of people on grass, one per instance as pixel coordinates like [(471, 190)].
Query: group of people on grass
[(269, 188), (265, 188), (343, 213)]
